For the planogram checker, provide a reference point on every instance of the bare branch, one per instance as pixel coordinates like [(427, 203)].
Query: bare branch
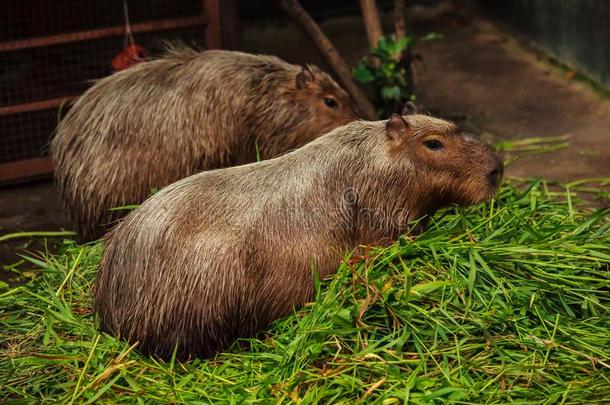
[(326, 48)]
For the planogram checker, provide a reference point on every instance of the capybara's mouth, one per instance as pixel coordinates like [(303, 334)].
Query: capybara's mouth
[(494, 178)]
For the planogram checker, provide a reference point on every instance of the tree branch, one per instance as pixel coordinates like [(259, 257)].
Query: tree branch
[(335, 61)]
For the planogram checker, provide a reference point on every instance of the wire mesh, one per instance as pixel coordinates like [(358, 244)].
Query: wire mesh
[(50, 52)]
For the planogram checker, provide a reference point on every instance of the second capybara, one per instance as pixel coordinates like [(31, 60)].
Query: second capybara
[(221, 254), (165, 119)]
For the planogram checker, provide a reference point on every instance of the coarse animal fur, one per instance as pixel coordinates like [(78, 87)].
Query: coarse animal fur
[(165, 119), (221, 254)]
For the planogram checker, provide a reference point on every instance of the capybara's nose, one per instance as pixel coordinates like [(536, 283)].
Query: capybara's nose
[(495, 175)]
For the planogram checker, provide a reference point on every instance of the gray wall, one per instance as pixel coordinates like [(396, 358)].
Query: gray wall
[(576, 32)]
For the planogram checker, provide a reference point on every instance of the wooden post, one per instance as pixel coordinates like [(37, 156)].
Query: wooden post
[(400, 29), (405, 59), (213, 36), (372, 22), (335, 61), (221, 31)]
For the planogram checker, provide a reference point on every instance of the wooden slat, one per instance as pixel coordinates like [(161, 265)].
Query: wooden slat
[(25, 168), (35, 106)]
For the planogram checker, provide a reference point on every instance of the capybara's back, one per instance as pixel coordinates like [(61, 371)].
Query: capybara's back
[(165, 119)]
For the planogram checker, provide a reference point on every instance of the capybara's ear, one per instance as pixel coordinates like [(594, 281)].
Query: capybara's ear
[(409, 108), (396, 128), (304, 77)]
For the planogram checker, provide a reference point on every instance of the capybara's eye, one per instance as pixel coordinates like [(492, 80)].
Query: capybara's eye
[(433, 144), (330, 102)]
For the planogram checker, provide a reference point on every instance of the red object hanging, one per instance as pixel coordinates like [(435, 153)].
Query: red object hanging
[(129, 56)]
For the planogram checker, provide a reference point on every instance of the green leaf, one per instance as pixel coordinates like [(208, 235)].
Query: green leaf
[(425, 288), (362, 74), (402, 43), (396, 47), (392, 93), (431, 36)]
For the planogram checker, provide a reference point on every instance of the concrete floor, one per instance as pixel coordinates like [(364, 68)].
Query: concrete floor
[(480, 73), (476, 71)]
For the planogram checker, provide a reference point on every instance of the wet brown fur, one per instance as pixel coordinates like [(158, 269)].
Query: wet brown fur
[(221, 254), (163, 120)]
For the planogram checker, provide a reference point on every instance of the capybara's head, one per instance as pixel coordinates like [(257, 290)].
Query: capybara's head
[(329, 102), (309, 105), (452, 167)]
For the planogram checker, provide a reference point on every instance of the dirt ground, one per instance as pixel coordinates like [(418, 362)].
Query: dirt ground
[(477, 71)]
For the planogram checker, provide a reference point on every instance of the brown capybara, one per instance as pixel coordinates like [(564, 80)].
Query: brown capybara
[(221, 254), (165, 119)]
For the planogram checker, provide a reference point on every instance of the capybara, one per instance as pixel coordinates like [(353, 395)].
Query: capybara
[(221, 254), (165, 119)]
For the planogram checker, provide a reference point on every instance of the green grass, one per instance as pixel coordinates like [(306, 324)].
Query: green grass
[(504, 302), (535, 145)]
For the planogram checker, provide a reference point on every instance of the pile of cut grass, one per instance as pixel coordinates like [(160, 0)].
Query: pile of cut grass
[(504, 302)]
